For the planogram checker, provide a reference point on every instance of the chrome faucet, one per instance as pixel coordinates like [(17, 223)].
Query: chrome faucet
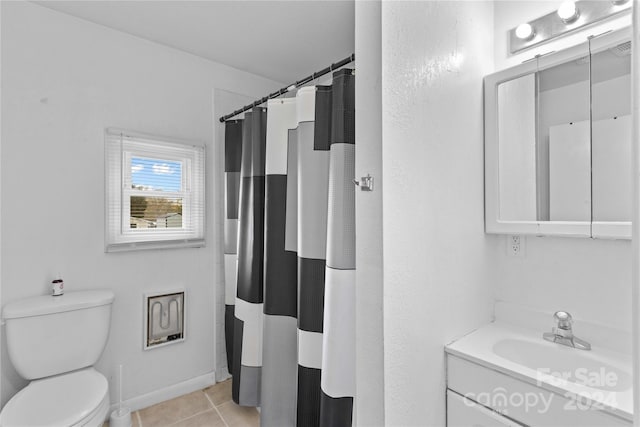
[(563, 334)]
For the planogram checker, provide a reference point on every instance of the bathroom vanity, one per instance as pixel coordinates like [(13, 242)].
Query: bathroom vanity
[(506, 374)]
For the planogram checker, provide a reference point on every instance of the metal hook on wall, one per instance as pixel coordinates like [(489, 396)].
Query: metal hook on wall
[(365, 183)]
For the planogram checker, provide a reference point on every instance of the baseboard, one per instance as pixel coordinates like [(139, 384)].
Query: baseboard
[(167, 393)]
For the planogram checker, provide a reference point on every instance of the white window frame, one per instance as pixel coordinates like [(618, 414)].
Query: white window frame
[(120, 147)]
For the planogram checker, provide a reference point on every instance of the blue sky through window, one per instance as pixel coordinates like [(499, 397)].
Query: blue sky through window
[(155, 174)]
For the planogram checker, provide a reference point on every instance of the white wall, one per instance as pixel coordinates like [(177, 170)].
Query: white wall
[(369, 404), (589, 278), (1, 344), (63, 81), (437, 262)]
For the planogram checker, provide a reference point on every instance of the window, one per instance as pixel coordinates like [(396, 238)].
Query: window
[(155, 192)]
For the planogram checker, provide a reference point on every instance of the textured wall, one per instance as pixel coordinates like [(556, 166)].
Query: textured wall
[(369, 408), (436, 257)]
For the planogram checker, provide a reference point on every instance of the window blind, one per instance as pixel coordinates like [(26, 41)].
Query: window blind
[(155, 192)]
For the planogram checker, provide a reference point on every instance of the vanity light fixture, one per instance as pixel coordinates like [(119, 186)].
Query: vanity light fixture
[(570, 16), (525, 32), (568, 12)]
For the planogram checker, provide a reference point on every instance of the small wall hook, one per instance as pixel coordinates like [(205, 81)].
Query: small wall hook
[(365, 183)]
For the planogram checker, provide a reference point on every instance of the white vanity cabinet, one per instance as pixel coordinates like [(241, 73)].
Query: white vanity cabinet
[(463, 412), (478, 396)]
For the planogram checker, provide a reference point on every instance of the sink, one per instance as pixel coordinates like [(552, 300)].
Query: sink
[(502, 360), (556, 364)]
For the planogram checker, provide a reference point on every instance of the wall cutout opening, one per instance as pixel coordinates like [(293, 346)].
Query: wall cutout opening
[(164, 319)]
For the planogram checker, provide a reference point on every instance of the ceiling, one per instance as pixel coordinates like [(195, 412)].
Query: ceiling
[(281, 40)]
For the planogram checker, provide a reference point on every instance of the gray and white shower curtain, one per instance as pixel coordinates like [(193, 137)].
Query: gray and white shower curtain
[(290, 256)]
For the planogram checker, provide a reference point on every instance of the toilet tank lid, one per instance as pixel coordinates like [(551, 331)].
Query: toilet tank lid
[(48, 304)]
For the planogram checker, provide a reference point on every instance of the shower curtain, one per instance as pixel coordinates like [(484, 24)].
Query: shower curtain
[(290, 203)]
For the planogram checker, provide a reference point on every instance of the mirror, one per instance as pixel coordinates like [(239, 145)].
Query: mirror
[(611, 128), (558, 143)]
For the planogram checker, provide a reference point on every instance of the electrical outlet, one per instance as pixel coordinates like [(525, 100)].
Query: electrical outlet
[(515, 246)]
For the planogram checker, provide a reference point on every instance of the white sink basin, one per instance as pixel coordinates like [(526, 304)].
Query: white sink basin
[(556, 364), (599, 379)]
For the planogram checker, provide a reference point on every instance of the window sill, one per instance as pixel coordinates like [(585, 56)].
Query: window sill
[(162, 244)]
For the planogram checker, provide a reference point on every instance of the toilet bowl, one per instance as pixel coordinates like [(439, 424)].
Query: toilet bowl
[(54, 341), (80, 398)]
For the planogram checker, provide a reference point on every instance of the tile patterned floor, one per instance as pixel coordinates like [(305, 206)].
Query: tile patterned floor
[(211, 407)]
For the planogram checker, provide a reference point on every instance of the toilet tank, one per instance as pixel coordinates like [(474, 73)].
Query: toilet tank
[(49, 335)]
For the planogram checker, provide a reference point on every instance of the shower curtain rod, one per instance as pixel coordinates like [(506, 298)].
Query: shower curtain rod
[(293, 86)]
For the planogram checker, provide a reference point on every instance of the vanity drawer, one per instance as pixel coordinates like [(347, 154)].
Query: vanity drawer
[(462, 412), (521, 401)]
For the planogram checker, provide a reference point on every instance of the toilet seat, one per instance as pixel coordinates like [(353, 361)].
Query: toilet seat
[(71, 399)]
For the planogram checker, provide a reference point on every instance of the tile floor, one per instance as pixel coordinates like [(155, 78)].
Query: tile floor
[(211, 407)]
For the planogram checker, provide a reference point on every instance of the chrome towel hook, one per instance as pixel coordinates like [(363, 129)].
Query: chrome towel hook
[(365, 183)]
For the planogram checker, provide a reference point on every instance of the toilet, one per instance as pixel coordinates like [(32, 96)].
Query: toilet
[(53, 341)]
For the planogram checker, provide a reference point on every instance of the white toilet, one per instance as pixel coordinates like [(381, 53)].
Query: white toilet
[(54, 341)]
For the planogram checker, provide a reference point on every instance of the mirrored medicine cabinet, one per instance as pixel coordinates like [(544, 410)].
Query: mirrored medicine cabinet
[(558, 143)]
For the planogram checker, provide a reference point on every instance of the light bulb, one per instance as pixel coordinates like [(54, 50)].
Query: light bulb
[(568, 12), (525, 32)]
